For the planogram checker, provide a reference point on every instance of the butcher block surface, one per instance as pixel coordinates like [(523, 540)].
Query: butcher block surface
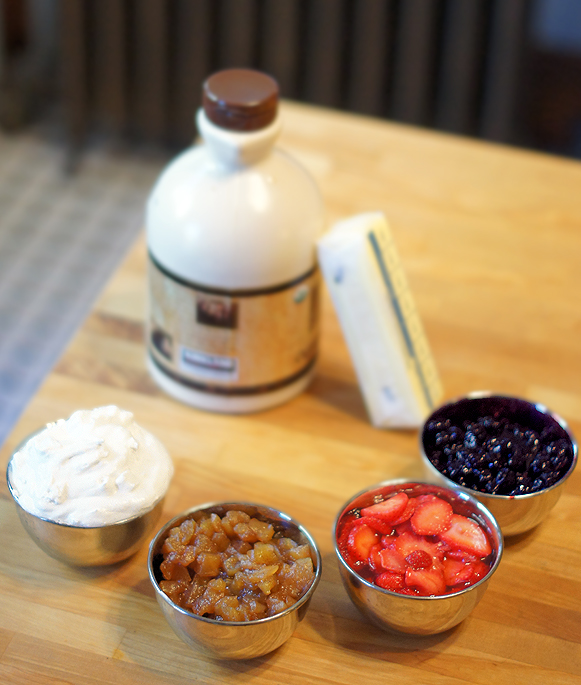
[(490, 239)]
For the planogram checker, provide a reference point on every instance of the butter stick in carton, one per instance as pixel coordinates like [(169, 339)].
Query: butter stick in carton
[(394, 365)]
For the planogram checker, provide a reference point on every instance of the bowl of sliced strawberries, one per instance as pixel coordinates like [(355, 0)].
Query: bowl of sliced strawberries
[(416, 557)]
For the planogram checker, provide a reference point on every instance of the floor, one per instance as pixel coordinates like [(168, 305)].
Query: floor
[(61, 236)]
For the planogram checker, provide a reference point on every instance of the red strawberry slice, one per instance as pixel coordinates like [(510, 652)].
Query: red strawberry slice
[(388, 541), (432, 516), (429, 581), (480, 570), (390, 581), (459, 554), (374, 559), (392, 560), (430, 497), (410, 507), (467, 535), (406, 543), (378, 524), (405, 527), (388, 510), (419, 559), (360, 541), (347, 525), (457, 572), (408, 591)]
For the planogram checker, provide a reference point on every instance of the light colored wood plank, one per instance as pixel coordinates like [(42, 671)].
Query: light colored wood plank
[(490, 238)]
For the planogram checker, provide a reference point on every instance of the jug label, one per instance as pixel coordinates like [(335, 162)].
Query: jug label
[(232, 342)]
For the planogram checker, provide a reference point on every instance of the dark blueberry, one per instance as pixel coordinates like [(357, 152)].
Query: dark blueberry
[(550, 449), (540, 466), (456, 434), (563, 448), (521, 489), (493, 463), (548, 435), (509, 482), (558, 462), (508, 444), (492, 442), (501, 474), (468, 476), (485, 477), (436, 458), (454, 470), (479, 431), (469, 440), (533, 447), (489, 487), (552, 478), (523, 482), (517, 459)]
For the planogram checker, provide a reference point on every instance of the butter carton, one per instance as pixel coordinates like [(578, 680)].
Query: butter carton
[(369, 289)]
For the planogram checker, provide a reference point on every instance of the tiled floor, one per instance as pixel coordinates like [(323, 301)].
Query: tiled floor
[(60, 238)]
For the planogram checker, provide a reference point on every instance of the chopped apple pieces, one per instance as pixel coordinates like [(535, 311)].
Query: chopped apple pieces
[(234, 568)]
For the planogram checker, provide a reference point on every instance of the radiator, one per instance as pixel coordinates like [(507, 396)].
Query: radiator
[(134, 68)]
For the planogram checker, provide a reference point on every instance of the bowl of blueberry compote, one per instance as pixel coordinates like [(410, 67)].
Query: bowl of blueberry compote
[(513, 455), (414, 557)]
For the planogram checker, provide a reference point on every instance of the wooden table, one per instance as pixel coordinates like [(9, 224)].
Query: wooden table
[(490, 238)]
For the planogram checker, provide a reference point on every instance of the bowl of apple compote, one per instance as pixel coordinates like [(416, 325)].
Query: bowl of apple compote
[(234, 579)]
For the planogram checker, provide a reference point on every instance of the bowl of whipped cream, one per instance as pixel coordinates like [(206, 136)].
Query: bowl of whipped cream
[(89, 489)]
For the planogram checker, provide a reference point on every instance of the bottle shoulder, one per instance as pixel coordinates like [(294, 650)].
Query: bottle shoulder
[(197, 167), (234, 227)]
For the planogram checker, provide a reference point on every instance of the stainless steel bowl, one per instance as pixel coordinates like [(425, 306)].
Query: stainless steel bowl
[(87, 546), (515, 513), (96, 546), (410, 614), (234, 639)]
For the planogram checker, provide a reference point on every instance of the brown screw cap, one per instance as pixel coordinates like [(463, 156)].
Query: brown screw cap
[(240, 99)]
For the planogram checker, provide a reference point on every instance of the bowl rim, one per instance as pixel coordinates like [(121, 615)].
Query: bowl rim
[(467, 497), (62, 524), (487, 394), (209, 505)]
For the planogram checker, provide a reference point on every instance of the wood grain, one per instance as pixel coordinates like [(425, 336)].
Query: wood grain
[(491, 241)]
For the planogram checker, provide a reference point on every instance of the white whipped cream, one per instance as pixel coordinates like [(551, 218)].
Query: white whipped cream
[(95, 468)]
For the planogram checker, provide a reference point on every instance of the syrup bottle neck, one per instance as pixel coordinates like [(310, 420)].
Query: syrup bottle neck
[(236, 148), (239, 116)]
